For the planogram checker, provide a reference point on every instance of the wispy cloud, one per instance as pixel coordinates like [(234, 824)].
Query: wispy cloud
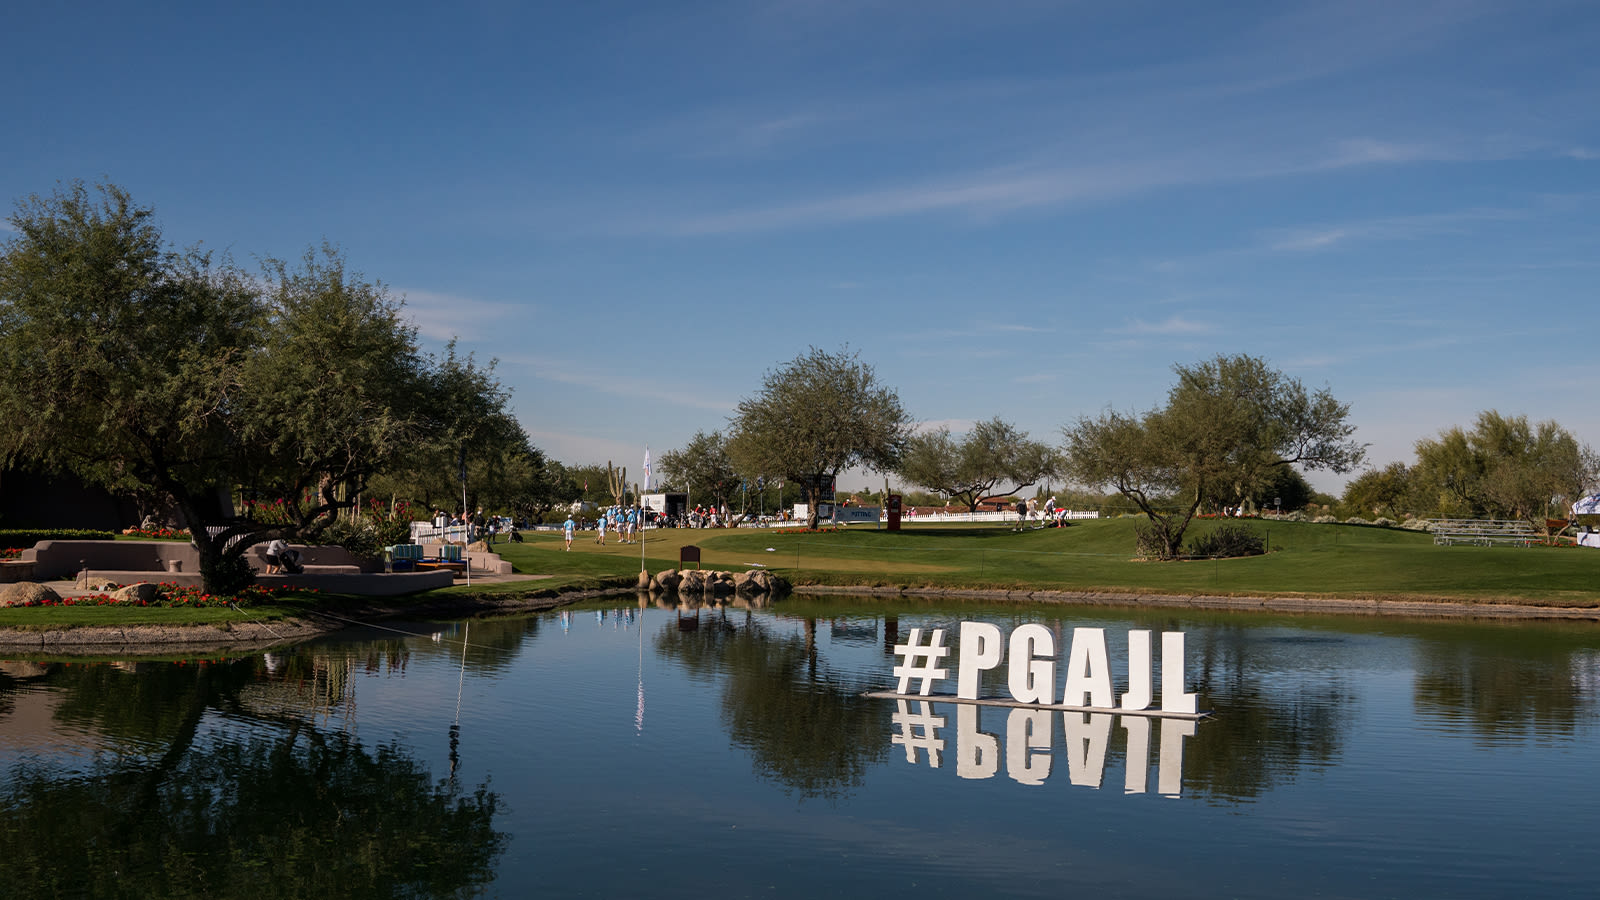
[(441, 317), (1027, 185), (1391, 228), (1168, 327), (954, 426), (584, 449), (976, 330), (581, 374)]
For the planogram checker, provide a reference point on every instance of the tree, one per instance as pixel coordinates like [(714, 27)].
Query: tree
[(1227, 422), (702, 468), (1281, 483), (141, 369), (1380, 491), (969, 469), (337, 393), (121, 361), (1504, 467), (816, 416)]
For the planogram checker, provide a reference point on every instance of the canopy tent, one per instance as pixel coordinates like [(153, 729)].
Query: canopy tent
[(1586, 519)]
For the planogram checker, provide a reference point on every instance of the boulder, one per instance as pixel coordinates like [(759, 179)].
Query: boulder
[(667, 580), (136, 593), (26, 593)]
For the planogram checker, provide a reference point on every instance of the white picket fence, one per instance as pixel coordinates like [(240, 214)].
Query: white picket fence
[(944, 518)]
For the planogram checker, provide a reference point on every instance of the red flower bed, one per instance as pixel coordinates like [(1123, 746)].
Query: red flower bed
[(176, 596)]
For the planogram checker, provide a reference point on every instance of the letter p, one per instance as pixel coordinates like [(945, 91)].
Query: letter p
[(981, 649)]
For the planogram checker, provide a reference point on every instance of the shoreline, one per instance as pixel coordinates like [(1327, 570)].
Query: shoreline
[(252, 636), (1399, 608)]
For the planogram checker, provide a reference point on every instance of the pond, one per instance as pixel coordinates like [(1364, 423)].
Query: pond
[(623, 749)]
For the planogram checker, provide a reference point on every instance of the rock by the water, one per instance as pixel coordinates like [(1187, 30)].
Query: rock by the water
[(26, 593), (717, 583), (137, 593)]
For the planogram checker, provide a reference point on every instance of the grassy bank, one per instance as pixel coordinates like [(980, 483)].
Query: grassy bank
[(1306, 560), (1349, 561)]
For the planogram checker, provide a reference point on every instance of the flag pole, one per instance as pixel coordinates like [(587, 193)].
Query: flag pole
[(641, 510)]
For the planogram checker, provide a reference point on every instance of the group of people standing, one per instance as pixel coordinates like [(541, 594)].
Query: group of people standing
[(622, 521), (475, 527)]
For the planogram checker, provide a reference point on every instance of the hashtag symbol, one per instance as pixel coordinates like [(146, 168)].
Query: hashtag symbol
[(930, 654), (918, 731)]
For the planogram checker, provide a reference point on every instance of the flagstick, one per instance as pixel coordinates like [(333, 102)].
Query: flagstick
[(642, 517)]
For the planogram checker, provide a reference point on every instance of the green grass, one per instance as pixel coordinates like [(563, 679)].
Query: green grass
[(1349, 561)]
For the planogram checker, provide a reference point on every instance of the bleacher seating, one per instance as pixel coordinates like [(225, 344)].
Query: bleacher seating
[(1483, 532)]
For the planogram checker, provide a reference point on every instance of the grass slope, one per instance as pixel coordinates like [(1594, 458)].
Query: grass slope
[(1348, 561), (1306, 559)]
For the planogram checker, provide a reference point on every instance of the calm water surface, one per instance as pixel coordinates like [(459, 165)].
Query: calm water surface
[(615, 750)]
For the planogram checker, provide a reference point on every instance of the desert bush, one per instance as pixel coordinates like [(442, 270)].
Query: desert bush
[(1228, 541), (1148, 542)]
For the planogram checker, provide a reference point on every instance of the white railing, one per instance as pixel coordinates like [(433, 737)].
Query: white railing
[(967, 517)]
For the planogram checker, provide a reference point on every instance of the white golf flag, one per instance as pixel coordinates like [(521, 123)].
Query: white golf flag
[(647, 467)]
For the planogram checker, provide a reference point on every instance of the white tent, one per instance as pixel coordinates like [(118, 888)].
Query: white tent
[(1588, 535)]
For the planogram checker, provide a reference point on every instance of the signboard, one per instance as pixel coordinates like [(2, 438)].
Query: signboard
[(1031, 659), (1085, 712)]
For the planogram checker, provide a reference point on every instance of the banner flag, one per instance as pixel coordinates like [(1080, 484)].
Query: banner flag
[(647, 467)]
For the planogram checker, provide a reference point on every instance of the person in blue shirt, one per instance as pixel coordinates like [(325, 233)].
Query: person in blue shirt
[(569, 527)]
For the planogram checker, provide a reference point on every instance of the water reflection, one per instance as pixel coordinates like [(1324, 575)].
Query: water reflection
[(803, 720), (1508, 686), (204, 781), (1029, 740), (1279, 709)]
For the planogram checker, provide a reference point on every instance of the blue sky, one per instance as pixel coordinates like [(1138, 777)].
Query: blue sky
[(1024, 209)]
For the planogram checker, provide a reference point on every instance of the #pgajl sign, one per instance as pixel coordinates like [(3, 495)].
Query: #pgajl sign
[(1086, 705), (1031, 658)]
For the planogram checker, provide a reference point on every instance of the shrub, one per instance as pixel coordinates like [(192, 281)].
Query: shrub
[(27, 537), (1325, 520), (1415, 525), (228, 575), (360, 538), (1147, 542), (1296, 516), (1383, 522), (1227, 542), (1356, 520)]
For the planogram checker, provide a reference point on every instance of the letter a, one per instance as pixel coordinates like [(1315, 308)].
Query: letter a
[(1088, 670)]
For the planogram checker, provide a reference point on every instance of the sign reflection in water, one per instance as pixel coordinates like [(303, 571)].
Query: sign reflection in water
[(1029, 745)]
